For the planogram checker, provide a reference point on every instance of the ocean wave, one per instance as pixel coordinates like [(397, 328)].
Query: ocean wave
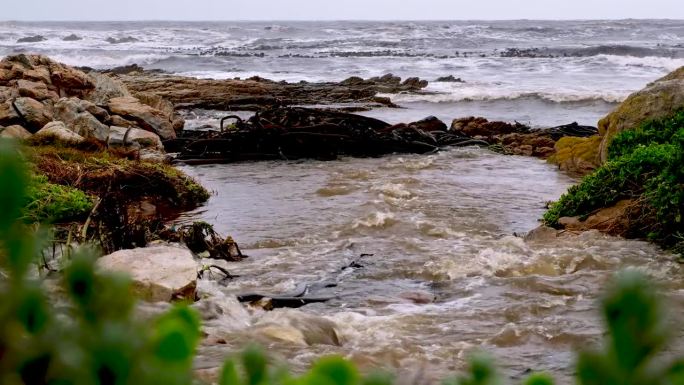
[(469, 95), (110, 59)]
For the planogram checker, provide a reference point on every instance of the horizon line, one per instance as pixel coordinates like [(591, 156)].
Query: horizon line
[(322, 20)]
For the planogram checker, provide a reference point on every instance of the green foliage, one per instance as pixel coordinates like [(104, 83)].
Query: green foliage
[(645, 165), (97, 340), (49, 202)]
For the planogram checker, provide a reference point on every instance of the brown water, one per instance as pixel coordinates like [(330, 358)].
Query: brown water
[(445, 276)]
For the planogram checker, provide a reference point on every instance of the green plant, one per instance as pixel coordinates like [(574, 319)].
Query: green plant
[(97, 340), (645, 165), (49, 202)]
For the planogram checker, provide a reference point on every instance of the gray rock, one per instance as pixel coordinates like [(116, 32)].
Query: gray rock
[(106, 88), (72, 37), (75, 114), (31, 39)]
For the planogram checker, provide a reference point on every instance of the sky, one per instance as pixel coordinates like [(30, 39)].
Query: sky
[(339, 9)]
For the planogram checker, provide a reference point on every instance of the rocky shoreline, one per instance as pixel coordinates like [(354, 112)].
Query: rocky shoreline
[(108, 134)]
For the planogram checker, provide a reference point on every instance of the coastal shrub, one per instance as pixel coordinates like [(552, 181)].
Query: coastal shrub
[(50, 202), (93, 335), (646, 165)]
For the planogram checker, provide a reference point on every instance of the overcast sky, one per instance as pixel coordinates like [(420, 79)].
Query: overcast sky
[(338, 9)]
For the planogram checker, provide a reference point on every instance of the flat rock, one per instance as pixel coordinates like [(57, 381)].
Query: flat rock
[(159, 273)]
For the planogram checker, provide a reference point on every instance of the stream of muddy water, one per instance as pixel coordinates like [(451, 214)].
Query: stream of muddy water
[(427, 257)]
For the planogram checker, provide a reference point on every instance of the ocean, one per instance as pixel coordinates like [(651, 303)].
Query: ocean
[(537, 72)]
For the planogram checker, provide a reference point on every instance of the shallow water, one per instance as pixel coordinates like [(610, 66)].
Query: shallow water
[(439, 269)]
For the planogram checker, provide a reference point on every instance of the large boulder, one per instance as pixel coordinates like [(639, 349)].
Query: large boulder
[(106, 88), (58, 131), (15, 132), (80, 116), (658, 100), (577, 156), (8, 115), (35, 90), (34, 113), (159, 273), (148, 118)]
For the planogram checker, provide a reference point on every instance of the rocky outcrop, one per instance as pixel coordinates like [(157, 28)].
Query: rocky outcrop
[(159, 273), (35, 91), (256, 92), (658, 100), (518, 139)]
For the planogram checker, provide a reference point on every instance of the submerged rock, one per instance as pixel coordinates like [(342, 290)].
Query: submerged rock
[(126, 39), (31, 39), (159, 273), (72, 37)]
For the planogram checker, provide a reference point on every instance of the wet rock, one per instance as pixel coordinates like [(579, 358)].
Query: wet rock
[(58, 131), (123, 70), (15, 131), (577, 156), (659, 99), (449, 79), (126, 39), (31, 39), (72, 37), (159, 273), (613, 220), (478, 126), (33, 113), (299, 328), (429, 124), (146, 117)]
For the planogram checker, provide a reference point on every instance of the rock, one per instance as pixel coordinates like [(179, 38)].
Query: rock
[(449, 79), (613, 220), (577, 156), (472, 126), (8, 115), (58, 131), (70, 81), (163, 105), (415, 83), (298, 327), (15, 131), (72, 37), (34, 113), (35, 90), (31, 39), (135, 138), (146, 117), (75, 113), (159, 273), (127, 39), (658, 100), (429, 124), (106, 88), (116, 120)]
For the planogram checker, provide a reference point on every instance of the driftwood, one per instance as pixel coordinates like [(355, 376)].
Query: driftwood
[(295, 133)]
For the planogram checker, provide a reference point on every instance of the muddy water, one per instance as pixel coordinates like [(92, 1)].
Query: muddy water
[(437, 267)]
